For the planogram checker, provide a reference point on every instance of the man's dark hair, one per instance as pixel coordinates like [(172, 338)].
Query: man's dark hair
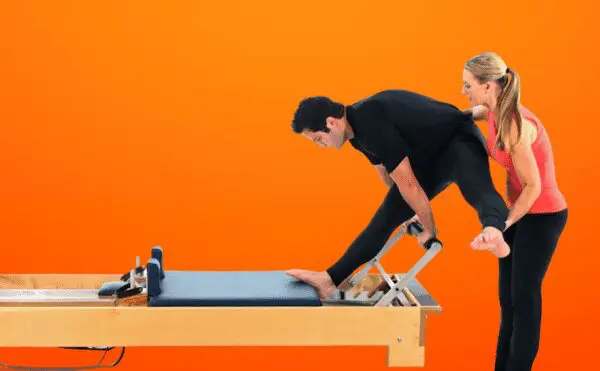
[(312, 113)]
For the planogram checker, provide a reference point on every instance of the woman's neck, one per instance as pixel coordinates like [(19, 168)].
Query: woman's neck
[(492, 105)]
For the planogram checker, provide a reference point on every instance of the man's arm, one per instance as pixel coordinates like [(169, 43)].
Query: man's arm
[(477, 113), (384, 175), (385, 142), (389, 182), (414, 195)]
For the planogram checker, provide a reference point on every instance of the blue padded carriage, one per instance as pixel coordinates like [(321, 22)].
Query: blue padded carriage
[(224, 288)]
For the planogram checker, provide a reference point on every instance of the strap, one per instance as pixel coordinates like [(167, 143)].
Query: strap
[(126, 291)]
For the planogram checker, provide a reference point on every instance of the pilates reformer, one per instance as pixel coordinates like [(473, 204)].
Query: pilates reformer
[(217, 308)]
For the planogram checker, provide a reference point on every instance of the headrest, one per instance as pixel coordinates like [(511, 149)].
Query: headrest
[(157, 253), (154, 280)]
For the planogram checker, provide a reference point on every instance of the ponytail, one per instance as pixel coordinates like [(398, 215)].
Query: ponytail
[(508, 110)]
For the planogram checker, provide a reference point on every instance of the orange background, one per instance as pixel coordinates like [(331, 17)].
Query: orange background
[(134, 124)]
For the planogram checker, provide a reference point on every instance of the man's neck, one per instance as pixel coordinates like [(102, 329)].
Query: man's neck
[(348, 131)]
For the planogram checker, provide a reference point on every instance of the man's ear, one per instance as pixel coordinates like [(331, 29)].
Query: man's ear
[(333, 123)]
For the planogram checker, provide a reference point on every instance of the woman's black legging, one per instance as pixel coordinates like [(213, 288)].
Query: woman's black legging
[(533, 240)]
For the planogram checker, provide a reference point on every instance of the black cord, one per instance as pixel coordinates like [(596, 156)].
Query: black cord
[(93, 367)]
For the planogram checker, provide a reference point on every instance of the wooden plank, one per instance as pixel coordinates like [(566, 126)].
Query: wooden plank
[(425, 308), (369, 283), (55, 281), (423, 331), (218, 326), (431, 309), (411, 298), (136, 300)]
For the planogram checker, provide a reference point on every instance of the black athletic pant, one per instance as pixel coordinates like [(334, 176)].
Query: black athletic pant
[(533, 240), (463, 162)]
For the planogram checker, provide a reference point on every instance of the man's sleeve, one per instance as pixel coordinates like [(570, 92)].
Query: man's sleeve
[(385, 142), (372, 158)]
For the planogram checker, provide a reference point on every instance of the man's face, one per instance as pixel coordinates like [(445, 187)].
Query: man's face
[(335, 138)]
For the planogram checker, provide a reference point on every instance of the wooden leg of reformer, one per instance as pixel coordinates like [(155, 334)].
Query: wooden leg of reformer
[(406, 353), (409, 350)]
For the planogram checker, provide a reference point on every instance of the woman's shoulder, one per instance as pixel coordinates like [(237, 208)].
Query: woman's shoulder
[(531, 124), (529, 130)]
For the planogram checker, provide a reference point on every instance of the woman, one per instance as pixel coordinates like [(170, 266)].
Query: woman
[(518, 141)]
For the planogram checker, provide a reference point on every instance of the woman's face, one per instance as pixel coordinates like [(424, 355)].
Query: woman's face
[(476, 92)]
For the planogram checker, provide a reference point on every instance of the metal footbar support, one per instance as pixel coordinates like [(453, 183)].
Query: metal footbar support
[(394, 290)]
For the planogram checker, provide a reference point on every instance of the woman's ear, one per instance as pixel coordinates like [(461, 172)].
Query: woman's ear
[(487, 87)]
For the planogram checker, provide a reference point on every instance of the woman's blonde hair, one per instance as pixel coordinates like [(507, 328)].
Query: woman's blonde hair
[(490, 67)]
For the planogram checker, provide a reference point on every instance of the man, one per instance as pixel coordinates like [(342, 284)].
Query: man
[(418, 146)]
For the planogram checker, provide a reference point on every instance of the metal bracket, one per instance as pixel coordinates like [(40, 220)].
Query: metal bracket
[(395, 289)]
